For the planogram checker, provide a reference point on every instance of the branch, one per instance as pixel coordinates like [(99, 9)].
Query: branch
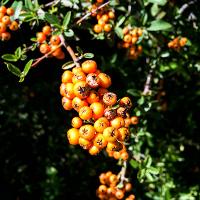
[(122, 174), (51, 3), (70, 51), (38, 60), (148, 83), (93, 11)]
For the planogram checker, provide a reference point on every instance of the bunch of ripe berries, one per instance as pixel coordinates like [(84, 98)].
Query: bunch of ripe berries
[(104, 18), (6, 23), (109, 189), (103, 120), (50, 43), (131, 37), (177, 43)]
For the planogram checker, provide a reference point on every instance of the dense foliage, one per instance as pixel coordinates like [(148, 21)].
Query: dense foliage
[(160, 77)]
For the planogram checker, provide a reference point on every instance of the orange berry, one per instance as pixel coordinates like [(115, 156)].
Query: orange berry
[(110, 134), (85, 144), (62, 89), (98, 28), (69, 90), (10, 11), (122, 112), (113, 179), (116, 146), (55, 40), (107, 27), (67, 103), (98, 109), (41, 37), (111, 14), (134, 32), (101, 22), (79, 76), (81, 89), (93, 97), (76, 122), (125, 30), (103, 178), (94, 150), (128, 187), (110, 113), (87, 132), (134, 40), (125, 102), (5, 36), (127, 38), (139, 32), (127, 122), (123, 134), (105, 80), (100, 141), (117, 122), (105, 17), (102, 91), (73, 136), (134, 120), (67, 76), (102, 189), (6, 20), (183, 41), (85, 113), (2, 27), (116, 155), (14, 26), (77, 103), (77, 70), (61, 55), (58, 51), (46, 30), (101, 124), (45, 48), (119, 194), (3, 9), (89, 66), (92, 80), (124, 156), (110, 98)]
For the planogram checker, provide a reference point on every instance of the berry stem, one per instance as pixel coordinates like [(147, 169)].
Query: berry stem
[(122, 173), (70, 51), (147, 85), (91, 12), (38, 60)]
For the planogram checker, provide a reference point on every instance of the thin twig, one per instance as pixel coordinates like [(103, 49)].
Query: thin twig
[(38, 60), (51, 3), (70, 51), (122, 174), (148, 83), (93, 11)]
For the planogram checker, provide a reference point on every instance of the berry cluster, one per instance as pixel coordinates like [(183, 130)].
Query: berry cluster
[(108, 190), (52, 46), (177, 43), (104, 18), (131, 37), (6, 22), (103, 120)]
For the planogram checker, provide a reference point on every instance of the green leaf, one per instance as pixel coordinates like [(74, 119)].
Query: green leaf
[(69, 33), (67, 19), (51, 19), (153, 170), (121, 21), (159, 25), (17, 6), (154, 10), (88, 55), (18, 52), (149, 176), (29, 4), (133, 92), (119, 32), (134, 164), (148, 161), (10, 57), (68, 65), (27, 67), (158, 2), (13, 69)]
